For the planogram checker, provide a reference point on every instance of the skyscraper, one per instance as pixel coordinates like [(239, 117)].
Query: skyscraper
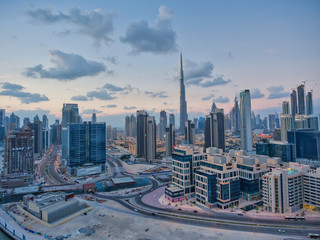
[(87, 144), (236, 117), (151, 139), (245, 121), (294, 104), (133, 126), (45, 122), (189, 135), (114, 133), (15, 121), (170, 140), (172, 120), (309, 103), (183, 102), (94, 118), (127, 126), (141, 133), (70, 114), (109, 135), (36, 118), (301, 103), (214, 129), (163, 124), (36, 127), (2, 117), (285, 107)]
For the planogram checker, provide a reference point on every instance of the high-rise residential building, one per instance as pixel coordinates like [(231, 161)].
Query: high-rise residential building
[(201, 124), (170, 140), (86, 145), (195, 121), (19, 154), (285, 126), (271, 121), (36, 127), (15, 121), (163, 125), (114, 133), (301, 100), (307, 143), (64, 142), (172, 120), (141, 133), (94, 118), (151, 139), (285, 107), (183, 102), (45, 122), (213, 106), (189, 133), (109, 134), (309, 103), (214, 129), (45, 139), (245, 121), (70, 114)]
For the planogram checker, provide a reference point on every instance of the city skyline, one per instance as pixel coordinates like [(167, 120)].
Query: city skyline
[(269, 51)]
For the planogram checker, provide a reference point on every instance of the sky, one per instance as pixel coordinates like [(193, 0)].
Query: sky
[(116, 57)]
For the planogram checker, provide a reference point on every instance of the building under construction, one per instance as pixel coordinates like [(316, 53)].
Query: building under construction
[(19, 152)]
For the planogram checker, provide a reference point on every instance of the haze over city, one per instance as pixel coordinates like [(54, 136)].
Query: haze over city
[(115, 58)]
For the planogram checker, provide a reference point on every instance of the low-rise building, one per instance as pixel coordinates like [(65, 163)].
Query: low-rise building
[(52, 206)]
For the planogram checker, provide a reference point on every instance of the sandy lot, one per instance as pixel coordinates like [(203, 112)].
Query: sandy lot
[(111, 220)]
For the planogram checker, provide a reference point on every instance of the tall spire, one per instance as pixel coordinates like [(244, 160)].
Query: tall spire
[(183, 103)]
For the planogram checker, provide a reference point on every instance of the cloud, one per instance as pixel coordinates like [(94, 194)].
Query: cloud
[(80, 98), (215, 82), (96, 24), (90, 111), (209, 97), (129, 108), (12, 86), (230, 55), (102, 95), (159, 38), (255, 93), (222, 99), (14, 90), (112, 59), (63, 33), (277, 92), (111, 106), (113, 88), (160, 94), (196, 73), (67, 66)]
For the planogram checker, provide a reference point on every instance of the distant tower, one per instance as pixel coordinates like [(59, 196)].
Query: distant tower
[(70, 114), (94, 117), (301, 103), (127, 126), (236, 117), (45, 122), (151, 139), (172, 120), (183, 103), (141, 133), (163, 124), (189, 132), (294, 104), (214, 129), (309, 103), (245, 121), (285, 107)]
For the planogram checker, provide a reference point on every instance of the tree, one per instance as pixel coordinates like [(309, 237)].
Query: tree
[(303, 214), (257, 209), (231, 208)]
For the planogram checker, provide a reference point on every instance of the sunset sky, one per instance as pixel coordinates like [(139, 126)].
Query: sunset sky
[(116, 57)]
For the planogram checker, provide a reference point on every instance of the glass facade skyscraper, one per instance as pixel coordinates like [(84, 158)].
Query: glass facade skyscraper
[(245, 121)]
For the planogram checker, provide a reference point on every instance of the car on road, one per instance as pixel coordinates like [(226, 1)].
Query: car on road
[(153, 214), (179, 209), (195, 211), (281, 230), (240, 214), (135, 209)]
